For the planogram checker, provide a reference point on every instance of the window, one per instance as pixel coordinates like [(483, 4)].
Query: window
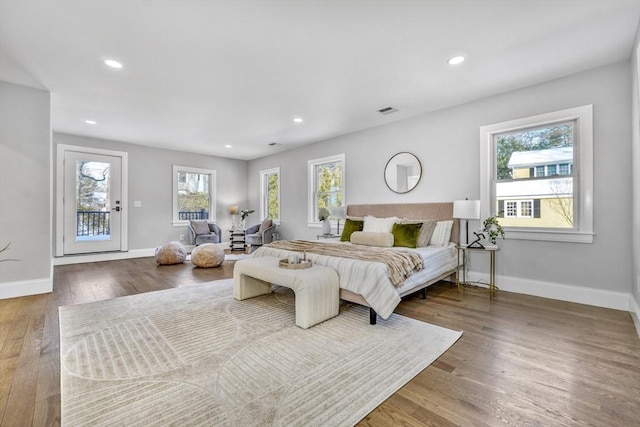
[(326, 185), (193, 194), (526, 209), (516, 208), (537, 174), (270, 194)]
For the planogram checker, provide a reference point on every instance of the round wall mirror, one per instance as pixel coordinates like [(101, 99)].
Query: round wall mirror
[(403, 172)]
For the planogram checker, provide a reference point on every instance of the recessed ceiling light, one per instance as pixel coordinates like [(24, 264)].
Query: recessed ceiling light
[(227, 146), (297, 119), (456, 60), (112, 63), (90, 122)]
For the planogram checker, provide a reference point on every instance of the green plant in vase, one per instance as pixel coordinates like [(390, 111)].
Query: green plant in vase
[(493, 229)]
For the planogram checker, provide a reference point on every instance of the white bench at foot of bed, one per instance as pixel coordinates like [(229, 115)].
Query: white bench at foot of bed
[(317, 289)]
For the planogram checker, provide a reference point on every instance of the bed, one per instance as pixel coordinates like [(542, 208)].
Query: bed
[(367, 282)]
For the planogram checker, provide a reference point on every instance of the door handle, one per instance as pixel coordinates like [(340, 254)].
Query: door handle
[(117, 209)]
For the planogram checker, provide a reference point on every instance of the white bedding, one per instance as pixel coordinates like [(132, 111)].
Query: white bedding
[(370, 279)]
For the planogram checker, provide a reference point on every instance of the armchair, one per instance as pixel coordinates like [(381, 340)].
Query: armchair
[(260, 234), (203, 232)]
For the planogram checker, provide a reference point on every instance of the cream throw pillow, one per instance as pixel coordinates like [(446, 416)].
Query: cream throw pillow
[(379, 225), (441, 233), (372, 238)]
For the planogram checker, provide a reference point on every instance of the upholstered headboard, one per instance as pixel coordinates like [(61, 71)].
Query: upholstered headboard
[(440, 211)]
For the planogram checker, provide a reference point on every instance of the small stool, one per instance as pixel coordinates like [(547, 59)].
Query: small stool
[(171, 253), (207, 255)]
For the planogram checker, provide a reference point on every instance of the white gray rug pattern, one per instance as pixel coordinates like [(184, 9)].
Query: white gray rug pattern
[(195, 356)]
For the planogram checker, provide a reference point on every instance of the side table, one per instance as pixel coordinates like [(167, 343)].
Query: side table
[(462, 253), (237, 240)]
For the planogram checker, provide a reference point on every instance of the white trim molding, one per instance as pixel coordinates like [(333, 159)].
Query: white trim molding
[(583, 230), (176, 222), (114, 256), (124, 192), (25, 288), (559, 291)]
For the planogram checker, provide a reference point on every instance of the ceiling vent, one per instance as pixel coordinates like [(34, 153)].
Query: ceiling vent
[(387, 110), (274, 144)]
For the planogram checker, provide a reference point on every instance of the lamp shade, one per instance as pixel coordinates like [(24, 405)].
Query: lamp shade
[(466, 209), (339, 212), (233, 210)]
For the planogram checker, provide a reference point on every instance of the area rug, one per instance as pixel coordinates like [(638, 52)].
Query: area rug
[(195, 356)]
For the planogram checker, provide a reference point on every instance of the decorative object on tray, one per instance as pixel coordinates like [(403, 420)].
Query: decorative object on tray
[(491, 229), (293, 262), (284, 263), (323, 215), (244, 214)]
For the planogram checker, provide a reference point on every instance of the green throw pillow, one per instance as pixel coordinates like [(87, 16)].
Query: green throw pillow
[(349, 227), (406, 235)]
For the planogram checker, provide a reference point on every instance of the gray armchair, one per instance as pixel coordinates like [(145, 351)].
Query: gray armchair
[(260, 234), (203, 232)]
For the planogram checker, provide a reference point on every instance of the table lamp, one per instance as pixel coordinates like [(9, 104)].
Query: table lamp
[(466, 209), (233, 210), (339, 212)]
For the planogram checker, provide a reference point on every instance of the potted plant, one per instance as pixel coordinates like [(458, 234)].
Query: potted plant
[(493, 229), (244, 214)]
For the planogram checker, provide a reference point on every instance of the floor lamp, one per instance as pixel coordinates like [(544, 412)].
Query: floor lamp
[(466, 209)]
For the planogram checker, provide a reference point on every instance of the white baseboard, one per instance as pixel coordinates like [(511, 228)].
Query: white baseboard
[(634, 309), (26, 287), (112, 256), (559, 291)]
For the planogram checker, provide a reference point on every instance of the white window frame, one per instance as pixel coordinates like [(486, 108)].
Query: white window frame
[(176, 222), (583, 180), (312, 217), (263, 193), (519, 209), (507, 213)]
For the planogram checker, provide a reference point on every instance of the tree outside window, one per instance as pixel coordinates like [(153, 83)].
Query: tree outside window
[(270, 193), (326, 185)]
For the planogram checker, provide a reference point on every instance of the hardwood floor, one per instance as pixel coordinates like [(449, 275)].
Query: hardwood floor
[(521, 361)]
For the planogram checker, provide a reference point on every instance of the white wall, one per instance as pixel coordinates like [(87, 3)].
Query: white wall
[(150, 181), (635, 156), (25, 190), (447, 144)]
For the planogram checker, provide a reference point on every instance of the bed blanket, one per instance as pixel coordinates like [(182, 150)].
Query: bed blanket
[(400, 263)]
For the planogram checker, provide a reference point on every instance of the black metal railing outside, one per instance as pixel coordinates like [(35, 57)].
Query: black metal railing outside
[(187, 215), (93, 223)]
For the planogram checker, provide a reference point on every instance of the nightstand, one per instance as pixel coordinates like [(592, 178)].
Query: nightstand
[(462, 256)]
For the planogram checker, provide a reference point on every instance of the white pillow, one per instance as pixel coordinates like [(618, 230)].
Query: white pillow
[(379, 225), (441, 234)]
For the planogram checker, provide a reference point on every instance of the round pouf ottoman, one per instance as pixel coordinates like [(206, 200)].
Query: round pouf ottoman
[(171, 253), (207, 255)]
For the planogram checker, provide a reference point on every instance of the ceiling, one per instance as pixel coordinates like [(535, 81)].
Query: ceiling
[(199, 75)]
